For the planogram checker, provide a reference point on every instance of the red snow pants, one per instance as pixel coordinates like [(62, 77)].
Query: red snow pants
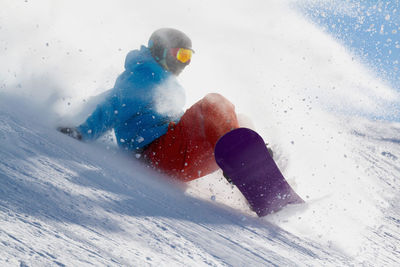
[(186, 151)]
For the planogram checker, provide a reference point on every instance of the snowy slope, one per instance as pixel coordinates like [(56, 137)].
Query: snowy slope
[(67, 203)]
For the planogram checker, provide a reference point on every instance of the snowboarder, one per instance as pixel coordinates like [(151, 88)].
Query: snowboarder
[(145, 109)]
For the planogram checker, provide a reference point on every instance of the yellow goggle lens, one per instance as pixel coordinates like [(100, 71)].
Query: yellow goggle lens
[(184, 55)]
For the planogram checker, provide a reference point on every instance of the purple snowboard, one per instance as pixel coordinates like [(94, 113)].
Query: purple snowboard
[(244, 158)]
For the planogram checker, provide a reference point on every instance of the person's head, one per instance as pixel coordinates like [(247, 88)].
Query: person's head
[(171, 48)]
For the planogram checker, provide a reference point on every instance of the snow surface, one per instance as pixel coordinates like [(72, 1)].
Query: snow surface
[(63, 202)]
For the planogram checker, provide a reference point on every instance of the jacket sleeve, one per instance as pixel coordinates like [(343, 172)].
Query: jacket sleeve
[(101, 120), (125, 101)]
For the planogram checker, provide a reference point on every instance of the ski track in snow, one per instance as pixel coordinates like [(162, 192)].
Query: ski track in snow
[(67, 203), (381, 149)]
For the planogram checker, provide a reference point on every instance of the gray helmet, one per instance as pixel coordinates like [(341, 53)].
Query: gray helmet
[(160, 44)]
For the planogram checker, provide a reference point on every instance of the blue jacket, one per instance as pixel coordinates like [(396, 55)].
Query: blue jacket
[(144, 100)]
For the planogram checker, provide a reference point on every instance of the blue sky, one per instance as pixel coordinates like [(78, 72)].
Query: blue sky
[(370, 29)]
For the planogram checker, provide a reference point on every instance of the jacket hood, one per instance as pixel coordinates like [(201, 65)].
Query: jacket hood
[(140, 57)]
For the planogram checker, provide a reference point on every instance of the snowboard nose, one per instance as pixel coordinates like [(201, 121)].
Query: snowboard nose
[(245, 159)]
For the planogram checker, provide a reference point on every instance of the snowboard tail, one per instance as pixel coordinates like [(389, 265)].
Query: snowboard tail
[(244, 158)]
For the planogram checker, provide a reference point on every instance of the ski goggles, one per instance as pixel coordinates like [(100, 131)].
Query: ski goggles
[(182, 54)]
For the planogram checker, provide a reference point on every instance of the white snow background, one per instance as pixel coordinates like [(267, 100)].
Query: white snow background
[(63, 202)]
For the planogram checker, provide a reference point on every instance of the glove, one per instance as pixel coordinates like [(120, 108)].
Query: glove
[(70, 131)]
